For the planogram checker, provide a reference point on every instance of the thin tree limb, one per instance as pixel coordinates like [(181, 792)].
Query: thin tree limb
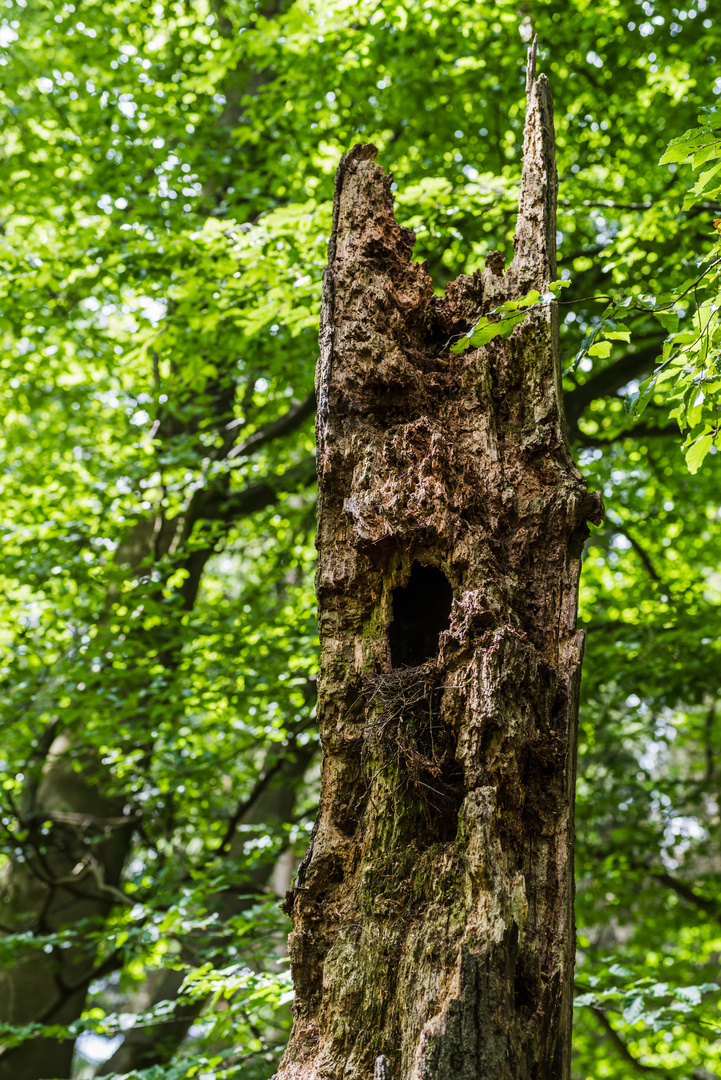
[(289, 421), (257, 496), (708, 731), (638, 431), (640, 551), (620, 1045), (605, 203), (245, 804), (685, 892)]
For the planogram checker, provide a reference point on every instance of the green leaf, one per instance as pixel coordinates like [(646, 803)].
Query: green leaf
[(671, 371), (582, 1000), (703, 186), (485, 333), (710, 116), (629, 402), (634, 1009), (601, 348), (680, 149), (668, 320), (684, 337), (637, 402), (508, 325), (698, 450), (702, 155)]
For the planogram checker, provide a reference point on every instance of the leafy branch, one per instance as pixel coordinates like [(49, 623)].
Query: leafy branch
[(502, 320), (688, 370)]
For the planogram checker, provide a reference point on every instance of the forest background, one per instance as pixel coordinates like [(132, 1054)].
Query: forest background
[(166, 177)]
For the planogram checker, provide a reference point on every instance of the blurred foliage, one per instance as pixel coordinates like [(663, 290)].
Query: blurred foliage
[(166, 176)]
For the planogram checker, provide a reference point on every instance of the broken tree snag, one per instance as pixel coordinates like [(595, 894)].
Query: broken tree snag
[(433, 915)]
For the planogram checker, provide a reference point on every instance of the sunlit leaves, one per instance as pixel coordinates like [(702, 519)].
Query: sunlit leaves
[(502, 320), (167, 174)]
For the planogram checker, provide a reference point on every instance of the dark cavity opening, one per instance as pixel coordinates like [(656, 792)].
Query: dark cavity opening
[(421, 611)]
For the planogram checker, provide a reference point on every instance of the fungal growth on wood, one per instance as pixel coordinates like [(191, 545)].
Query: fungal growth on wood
[(433, 914)]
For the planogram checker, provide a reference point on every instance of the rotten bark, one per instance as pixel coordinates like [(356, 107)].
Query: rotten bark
[(433, 915)]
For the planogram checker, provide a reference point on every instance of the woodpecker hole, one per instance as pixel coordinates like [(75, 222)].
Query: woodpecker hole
[(421, 612)]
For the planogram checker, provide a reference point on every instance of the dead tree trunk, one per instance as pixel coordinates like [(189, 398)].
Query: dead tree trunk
[(433, 915)]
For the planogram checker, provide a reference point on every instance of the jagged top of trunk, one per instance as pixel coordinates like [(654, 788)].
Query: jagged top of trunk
[(534, 264)]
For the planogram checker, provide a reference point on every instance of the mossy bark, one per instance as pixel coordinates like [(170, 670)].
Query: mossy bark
[(433, 928)]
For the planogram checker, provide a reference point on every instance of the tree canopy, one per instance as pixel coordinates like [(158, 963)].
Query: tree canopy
[(165, 206)]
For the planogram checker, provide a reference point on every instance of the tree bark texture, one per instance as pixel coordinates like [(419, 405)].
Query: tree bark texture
[(433, 932)]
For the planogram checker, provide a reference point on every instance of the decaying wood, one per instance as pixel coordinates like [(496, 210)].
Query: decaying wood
[(433, 918)]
